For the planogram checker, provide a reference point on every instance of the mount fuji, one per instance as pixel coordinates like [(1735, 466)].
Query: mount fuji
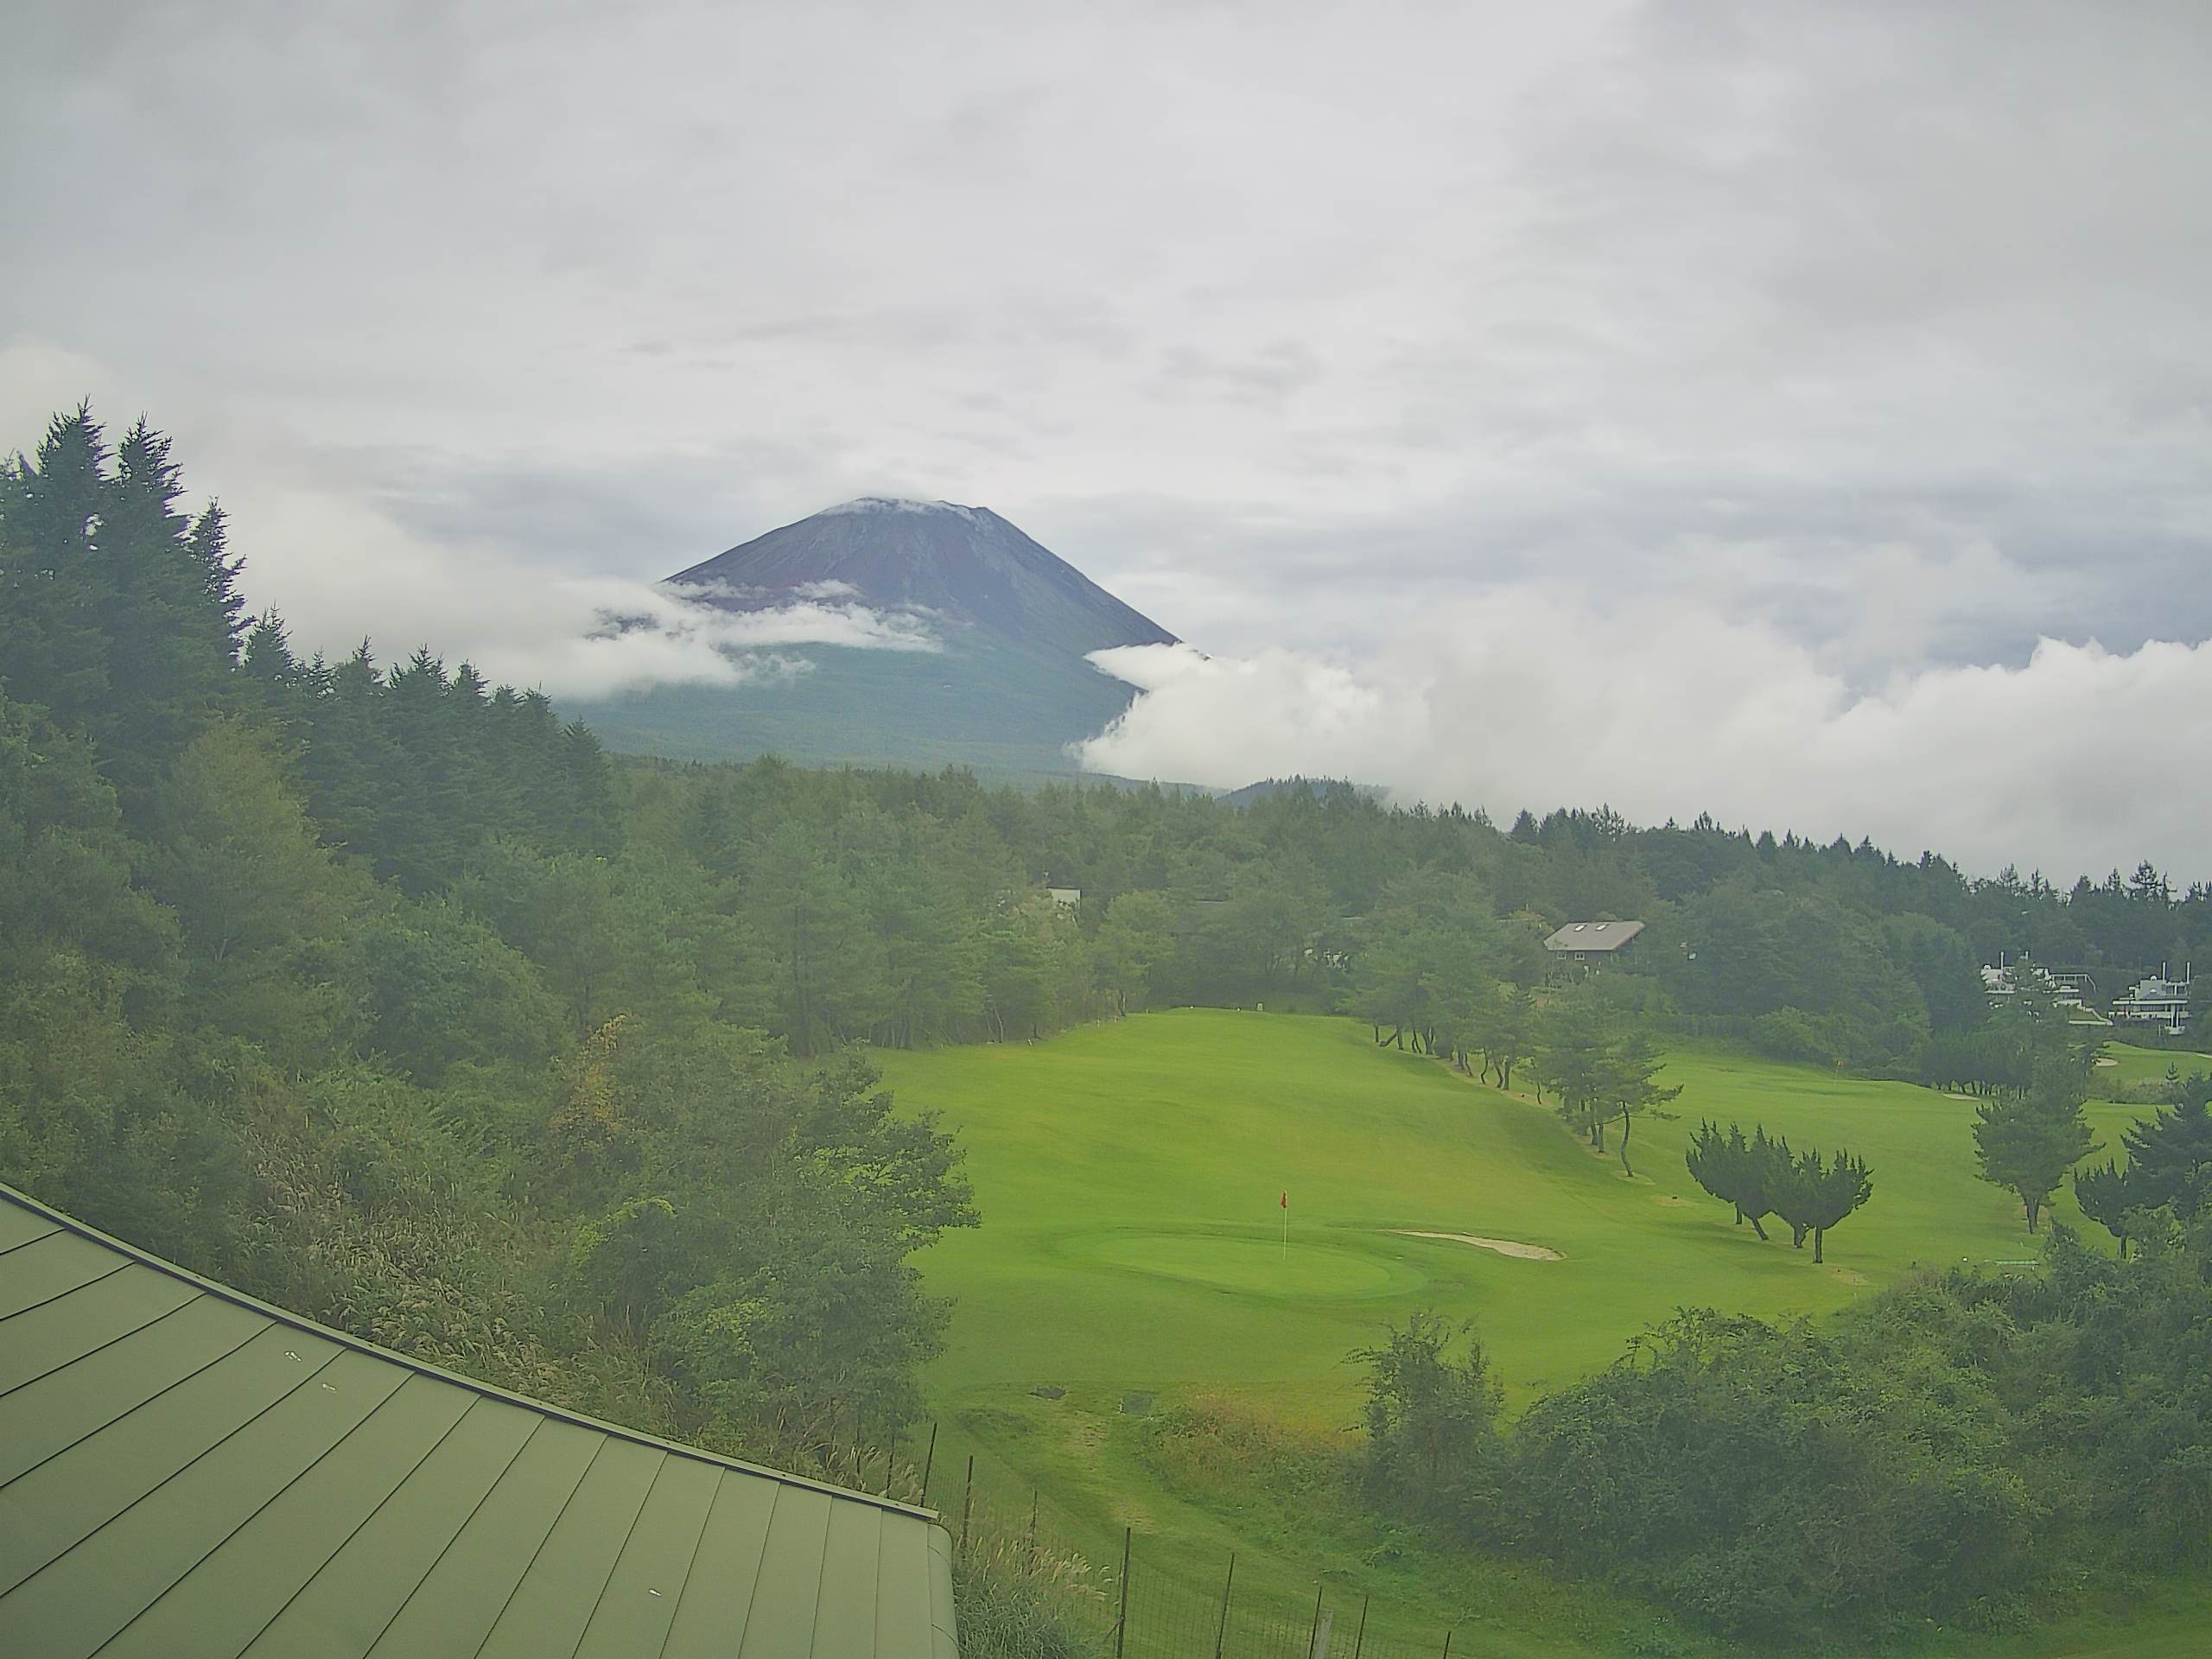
[(993, 628)]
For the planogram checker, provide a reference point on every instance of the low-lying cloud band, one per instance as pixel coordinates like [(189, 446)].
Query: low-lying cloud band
[(2079, 759)]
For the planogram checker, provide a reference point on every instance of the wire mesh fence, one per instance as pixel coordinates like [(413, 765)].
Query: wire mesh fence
[(1169, 1619), (1122, 1601)]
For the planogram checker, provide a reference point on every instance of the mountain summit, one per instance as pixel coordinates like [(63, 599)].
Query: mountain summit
[(962, 566), (1004, 687)]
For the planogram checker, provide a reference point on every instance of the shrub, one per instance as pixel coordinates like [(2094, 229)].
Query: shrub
[(1431, 1422)]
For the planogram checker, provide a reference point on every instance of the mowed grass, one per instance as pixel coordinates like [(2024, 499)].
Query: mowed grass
[(1129, 1177), (2132, 1065)]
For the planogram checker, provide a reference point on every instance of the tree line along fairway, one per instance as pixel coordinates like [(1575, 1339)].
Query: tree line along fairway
[(1129, 1175)]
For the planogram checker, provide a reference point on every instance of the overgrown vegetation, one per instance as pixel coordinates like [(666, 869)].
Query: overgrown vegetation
[(1016, 1599), (1962, 1449)]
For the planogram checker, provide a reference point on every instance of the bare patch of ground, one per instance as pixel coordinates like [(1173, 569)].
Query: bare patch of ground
[(1086, 1436), (1502, 1245)]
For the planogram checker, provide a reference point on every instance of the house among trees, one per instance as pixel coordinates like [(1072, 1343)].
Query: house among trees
[(2155, 1000), (1587, 944), (2005, 979)]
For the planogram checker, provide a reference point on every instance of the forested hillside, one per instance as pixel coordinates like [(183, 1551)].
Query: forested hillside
[(383, 994), (355, 989)]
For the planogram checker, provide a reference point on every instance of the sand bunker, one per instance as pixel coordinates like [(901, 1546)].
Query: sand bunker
[(1502, 1245)]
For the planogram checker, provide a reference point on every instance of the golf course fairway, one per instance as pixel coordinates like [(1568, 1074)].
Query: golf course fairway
[(1136, 1254)]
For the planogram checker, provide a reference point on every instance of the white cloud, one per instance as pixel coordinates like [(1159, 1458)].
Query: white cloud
[(583, 638), (595, 637), (1806, 363), (2080, 758), (339, 568)]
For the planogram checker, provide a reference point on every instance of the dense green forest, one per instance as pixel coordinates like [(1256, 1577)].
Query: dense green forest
[(391, 998), (362, 990)]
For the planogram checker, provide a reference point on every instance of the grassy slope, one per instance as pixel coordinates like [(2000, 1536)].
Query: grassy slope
[(1128, 1176), (2134, 1066)]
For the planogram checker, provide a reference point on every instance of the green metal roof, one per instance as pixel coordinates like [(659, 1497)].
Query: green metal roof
[(186, 1471)]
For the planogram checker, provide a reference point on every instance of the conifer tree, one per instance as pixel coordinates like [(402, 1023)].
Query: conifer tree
[(1715, 1166), (1814, 1194), (55, 591), (2169, 1157), (1629, 1086), (1572, 1053), (2027, 1143), (2108, 1196), (171, 619), (1511, 1033)]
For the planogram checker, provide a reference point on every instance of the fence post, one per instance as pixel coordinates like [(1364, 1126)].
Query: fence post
[(1121, 1619), (1448, 1644), (1313, 1633), (890, 1461), (1221, 1631), (968, 1500), (1032, 1529), (1360, 1641), (927, 1463)]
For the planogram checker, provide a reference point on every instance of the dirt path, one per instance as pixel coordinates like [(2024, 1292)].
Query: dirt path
[(1502, 1245)]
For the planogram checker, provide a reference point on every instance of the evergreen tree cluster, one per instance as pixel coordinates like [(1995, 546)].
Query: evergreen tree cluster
[(349, 987), (1760, 1176), (2167, 1181)]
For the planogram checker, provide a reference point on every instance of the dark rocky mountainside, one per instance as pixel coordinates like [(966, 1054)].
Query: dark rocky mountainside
[(1006, 693), (964, 565)]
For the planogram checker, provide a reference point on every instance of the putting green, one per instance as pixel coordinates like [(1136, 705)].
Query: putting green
[(1128, 1176), (1306, 1270)]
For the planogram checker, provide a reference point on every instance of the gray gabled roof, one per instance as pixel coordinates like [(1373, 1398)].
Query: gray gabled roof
[(187, 1472), (1593, 935)]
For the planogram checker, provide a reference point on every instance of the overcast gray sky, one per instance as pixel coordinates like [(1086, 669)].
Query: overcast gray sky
[(1682, 405)]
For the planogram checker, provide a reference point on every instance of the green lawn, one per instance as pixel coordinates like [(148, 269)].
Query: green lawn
[(1129, 1177), (2132, 1065)]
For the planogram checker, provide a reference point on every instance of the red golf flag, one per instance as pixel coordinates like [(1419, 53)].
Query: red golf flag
[(1286, 1200)]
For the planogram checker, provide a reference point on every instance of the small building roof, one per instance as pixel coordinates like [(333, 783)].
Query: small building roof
[(186, 1471), (1593, 935)]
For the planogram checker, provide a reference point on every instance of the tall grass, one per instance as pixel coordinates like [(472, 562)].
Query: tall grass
[(1017, 1600)]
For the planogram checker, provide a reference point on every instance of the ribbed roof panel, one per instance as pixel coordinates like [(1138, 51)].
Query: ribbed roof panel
[(186, 1473)]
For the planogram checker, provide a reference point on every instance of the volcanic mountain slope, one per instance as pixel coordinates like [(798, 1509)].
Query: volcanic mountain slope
[(1004, 691)]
